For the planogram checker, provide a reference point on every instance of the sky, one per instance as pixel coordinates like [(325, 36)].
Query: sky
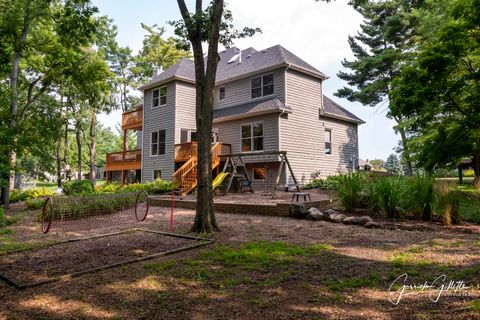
[(317, 32)]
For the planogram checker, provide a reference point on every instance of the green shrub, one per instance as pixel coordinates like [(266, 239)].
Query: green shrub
[(35, 203), (22, 195), (349, 190), (419, 197), (18, 195), (469, 173), (154, 187), (78, 187), (3, 220), (387, 194), (329, 183)]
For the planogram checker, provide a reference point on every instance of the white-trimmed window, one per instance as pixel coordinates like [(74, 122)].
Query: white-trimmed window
[(221, 93), (328, 141), (157, 144), (252, 137), (157, 174), (261, 86), (159, 97)]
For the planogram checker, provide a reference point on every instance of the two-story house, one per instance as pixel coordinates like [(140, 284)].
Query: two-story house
[(267, 100)]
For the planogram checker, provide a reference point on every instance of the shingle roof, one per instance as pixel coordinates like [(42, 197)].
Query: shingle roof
[(251, 108), (251, 61), (183, 69), (331, 108)]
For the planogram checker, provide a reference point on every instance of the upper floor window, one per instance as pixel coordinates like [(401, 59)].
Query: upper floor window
[(221, 93), (252, 137), (262, 86), (328, 141), (157, 144), (159, 97)]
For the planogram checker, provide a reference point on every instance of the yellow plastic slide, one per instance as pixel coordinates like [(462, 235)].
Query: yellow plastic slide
[(219, 179)]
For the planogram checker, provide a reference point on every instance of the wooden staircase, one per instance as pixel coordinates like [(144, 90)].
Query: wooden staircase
[(186, 175)]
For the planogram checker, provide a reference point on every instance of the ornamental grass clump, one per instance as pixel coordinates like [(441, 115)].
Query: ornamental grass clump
[(448, 203), (387, 195), (349, 190), (419, 197)]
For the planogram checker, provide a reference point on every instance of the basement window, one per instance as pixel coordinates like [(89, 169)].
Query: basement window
[(157, 174)]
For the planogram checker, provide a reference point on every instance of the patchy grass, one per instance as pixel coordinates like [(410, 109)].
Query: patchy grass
[(474, 305), (353, 283), (6, 231), (9, 245), (259, 263)]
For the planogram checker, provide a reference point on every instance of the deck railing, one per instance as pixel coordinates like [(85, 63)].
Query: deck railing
[(130, 160), (185, 151), (132, 119)]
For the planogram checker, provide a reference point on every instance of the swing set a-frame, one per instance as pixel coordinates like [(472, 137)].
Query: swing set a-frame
[(235, 169)]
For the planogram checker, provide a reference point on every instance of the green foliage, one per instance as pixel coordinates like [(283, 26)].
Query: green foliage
[(35, 203), (157, 186), (349, 190), (393, 164), (78, 187), (17, 195), (419, 196), (386, 194), (329, 183)]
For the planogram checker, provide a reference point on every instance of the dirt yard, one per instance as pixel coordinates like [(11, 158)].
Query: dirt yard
[(256, 198), (258, 268)]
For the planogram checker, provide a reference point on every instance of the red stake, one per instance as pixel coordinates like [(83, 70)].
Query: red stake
[(171, 214)]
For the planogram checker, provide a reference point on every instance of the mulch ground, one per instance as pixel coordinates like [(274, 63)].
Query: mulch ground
[(350, 280), (70, 257)]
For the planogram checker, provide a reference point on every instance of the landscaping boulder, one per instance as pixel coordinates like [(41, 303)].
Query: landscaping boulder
[(338, 218), (327, 214), (298, 211), (315, 214), (363, 220), (350, 220), (372, 225)]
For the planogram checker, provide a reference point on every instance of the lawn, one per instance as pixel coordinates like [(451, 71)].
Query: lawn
[(259, 268)]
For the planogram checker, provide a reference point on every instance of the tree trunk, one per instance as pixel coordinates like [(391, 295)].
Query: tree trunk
[(476, 169), (406, 150), (93, 146), (59, 164), (65, 152), (79, 153), (11, 154), (205, 82)]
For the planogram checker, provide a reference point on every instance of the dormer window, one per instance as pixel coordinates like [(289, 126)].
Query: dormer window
[(262, 86), (159, 97), (221, 93)]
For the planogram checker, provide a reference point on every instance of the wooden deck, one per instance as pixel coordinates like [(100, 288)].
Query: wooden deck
[(133, 120), (128, 160)]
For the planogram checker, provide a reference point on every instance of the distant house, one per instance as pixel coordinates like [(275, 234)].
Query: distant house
[(266, 100)]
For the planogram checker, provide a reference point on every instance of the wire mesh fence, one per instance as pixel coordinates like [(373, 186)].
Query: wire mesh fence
[(79, 213)]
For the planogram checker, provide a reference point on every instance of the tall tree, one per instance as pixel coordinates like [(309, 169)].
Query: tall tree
[(440, 89), (42, 37), (157, 53), (380, 49), (195, 29)]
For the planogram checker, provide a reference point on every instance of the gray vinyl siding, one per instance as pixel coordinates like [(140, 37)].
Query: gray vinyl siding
[(159, 118), (238, 91), (302, 133), (344, 147), (230, 132), (185, 108)]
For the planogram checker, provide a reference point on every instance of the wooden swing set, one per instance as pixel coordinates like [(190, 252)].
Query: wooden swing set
[(236, 169)]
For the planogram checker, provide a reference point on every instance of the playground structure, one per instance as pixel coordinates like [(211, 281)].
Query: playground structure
[(236, 168)]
